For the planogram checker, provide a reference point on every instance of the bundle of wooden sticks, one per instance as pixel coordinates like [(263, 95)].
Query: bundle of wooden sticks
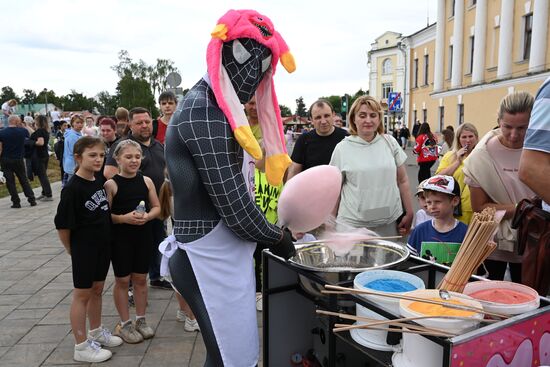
[(475, 248)]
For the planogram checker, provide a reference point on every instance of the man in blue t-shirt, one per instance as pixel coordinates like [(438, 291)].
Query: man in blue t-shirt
[(534, 167), (12, 150), (442, 195)]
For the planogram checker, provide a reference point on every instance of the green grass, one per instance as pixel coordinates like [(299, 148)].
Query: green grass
[(54, 174)]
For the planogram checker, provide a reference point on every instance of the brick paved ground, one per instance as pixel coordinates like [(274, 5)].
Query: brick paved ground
[(35, 295)]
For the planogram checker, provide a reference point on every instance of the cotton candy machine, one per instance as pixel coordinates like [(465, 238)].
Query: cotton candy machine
[(291, 323), (373, 254)]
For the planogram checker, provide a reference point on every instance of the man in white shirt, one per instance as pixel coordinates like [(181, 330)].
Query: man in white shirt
[(56, 119)]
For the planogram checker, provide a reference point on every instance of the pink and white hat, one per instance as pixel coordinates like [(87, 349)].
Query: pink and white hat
[(251, 24)]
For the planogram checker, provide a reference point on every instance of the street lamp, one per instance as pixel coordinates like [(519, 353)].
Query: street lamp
[(402, 46), (46, 98)]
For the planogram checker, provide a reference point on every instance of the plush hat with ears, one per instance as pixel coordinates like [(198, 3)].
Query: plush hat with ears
[(251, 24)]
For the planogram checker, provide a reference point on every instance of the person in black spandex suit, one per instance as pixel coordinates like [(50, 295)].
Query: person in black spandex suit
[(216, 221)]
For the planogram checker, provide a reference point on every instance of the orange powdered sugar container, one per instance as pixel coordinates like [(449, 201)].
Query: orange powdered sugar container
[(420, 351)]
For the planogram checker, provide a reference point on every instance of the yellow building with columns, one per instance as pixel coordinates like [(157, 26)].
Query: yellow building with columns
[(459, 69)]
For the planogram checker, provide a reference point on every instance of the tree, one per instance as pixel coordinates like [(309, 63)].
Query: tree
[(136, 92), (301, 109), (107, 103), (29, 97), (285, 111), (155, 75), (335, 101), (7, 94), (158, 74), (50, 95), (76, 101), (357, 94)]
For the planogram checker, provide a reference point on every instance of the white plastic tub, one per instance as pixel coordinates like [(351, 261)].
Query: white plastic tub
[(376, 339), (505, 308), (419, 351)]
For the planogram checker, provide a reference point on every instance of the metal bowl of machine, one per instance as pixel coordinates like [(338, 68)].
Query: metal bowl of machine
[(367, 255)]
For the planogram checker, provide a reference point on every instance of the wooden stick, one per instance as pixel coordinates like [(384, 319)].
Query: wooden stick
[(375, 322), (393, 330), (412, 298), (355, 239), (475, 248), (403, 319)]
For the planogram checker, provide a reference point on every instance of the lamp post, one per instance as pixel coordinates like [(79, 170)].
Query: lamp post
[(46, 99), (402, 46)]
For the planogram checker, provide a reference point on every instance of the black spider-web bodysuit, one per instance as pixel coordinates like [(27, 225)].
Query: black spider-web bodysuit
[(204, 162)]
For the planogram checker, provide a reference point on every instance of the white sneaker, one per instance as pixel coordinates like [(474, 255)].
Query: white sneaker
[(181, 316), (191, 325), (259, 305), (104, 337), (91, 352)]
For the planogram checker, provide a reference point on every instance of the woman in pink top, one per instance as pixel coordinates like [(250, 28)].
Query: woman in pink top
[(491, 173)]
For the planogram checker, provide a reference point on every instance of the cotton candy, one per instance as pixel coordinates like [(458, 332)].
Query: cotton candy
[(309, 197)]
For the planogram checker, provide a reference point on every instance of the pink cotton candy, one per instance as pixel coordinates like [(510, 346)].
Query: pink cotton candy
[(341, 243), (309, 197)]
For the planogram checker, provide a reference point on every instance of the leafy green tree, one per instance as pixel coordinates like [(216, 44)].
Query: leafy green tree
[(107, 103), (51, 97), (136, 92), (29, 97), (335, 101), (155, 75), (301, 109), (158, 73), (7, 94), (76, 101), (357, 94), (285, 111)]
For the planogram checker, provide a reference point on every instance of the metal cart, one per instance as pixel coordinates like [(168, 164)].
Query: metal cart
[(291, 325)]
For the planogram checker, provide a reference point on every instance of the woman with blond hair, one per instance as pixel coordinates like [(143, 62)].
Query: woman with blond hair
[(8, 108), (491, 172), (375, 191), (452, 163)]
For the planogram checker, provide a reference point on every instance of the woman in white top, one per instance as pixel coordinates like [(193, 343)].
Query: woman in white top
[(375, 190)]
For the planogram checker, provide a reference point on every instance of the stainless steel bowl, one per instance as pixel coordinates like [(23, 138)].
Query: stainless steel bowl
[(375, 254)]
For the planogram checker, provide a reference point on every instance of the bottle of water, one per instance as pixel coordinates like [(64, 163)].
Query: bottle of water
[(140, 209)]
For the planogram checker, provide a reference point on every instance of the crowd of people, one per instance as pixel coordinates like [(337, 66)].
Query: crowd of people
[(118, 200)]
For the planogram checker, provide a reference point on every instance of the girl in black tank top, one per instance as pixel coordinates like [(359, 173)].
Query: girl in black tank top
[(132, 238)]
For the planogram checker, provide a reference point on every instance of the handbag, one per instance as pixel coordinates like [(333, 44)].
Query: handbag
[(533, 226)]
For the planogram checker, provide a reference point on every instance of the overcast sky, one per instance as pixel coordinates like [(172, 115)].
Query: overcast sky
[(71, 44)]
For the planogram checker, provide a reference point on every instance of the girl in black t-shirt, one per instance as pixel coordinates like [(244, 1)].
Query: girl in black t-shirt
[(132, 237), (83, 223)]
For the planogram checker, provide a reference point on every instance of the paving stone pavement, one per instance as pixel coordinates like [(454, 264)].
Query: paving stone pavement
[(35, 296)]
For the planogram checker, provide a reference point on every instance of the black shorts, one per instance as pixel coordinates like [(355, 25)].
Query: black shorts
[(131, 255), (90, 264)]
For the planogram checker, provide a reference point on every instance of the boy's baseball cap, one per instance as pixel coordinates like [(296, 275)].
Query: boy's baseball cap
[(419, 188), (442, 183)]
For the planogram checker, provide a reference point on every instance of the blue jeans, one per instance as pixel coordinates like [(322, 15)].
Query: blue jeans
[(4, 121)]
